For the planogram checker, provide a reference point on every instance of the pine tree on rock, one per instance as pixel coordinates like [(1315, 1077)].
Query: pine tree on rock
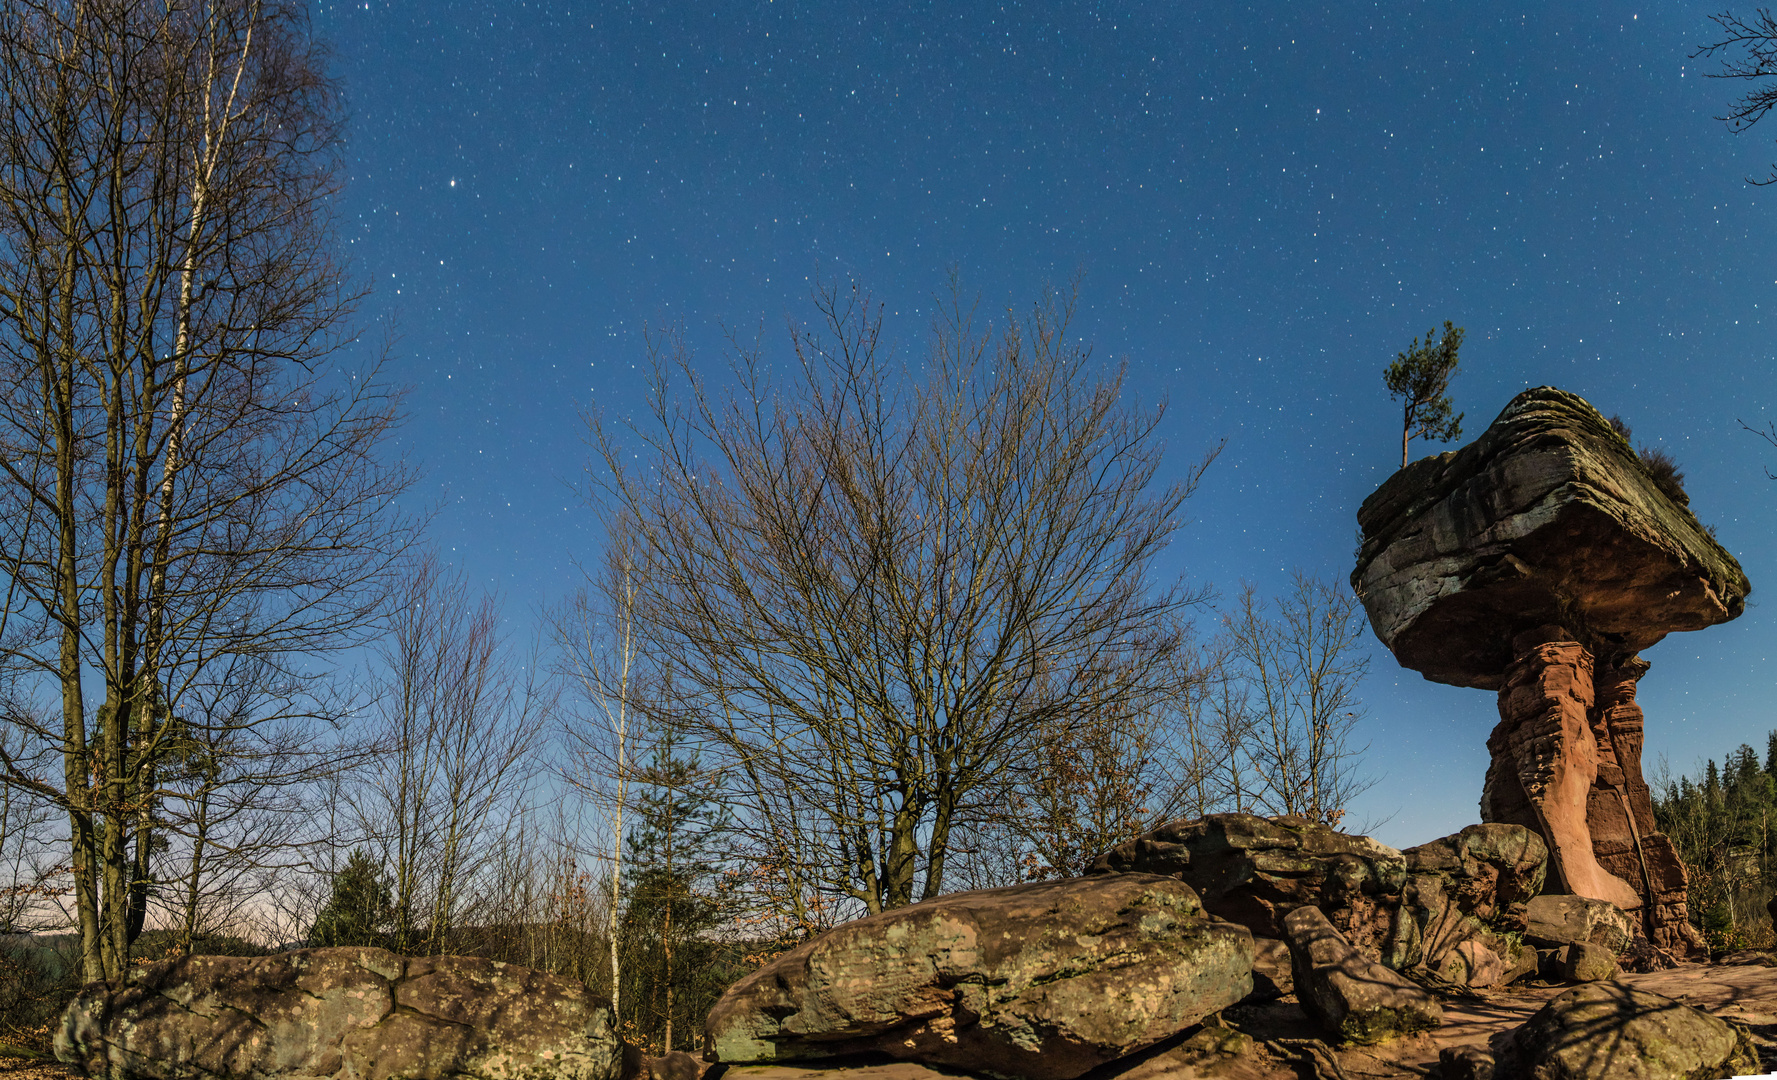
[(1420, 379)]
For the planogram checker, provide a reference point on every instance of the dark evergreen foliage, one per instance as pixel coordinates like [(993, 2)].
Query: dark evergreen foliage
[(359, 911), (1420, 379), (1724, 824), (673, 968)]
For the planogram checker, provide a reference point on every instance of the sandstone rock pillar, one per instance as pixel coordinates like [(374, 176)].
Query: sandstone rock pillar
[(1546, 760), (1620, 812)]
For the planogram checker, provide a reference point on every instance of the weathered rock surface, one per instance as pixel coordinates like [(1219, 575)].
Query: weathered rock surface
[(1273, 975), (1450, 905), (1546, 760), (1537, 561), (1255, 871), (1567, 762), (1358, 1000), (1044, 981), (1465, 1063), (1583, 962), (1609, 1030), (1554, 920), (342, 1012), (1548, 517), (1464, 898)]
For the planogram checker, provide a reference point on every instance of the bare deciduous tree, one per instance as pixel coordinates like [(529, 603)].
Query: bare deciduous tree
[(596, 640), (33, 871), (184, 479), (1297, 701), (459, 721), (873, 587)]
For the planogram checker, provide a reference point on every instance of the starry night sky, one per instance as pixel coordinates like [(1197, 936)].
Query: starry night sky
[(1264, 203)]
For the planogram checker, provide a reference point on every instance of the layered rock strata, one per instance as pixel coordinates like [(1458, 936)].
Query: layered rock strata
[(1538, 561), (1255, 871)]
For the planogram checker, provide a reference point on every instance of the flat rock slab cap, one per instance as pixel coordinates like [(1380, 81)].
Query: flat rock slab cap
[(1548, 518)]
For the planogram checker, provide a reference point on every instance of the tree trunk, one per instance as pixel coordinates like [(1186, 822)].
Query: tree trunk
[(1406, 432)]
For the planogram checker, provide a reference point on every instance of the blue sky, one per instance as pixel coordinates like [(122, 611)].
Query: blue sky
[(1264, 203)]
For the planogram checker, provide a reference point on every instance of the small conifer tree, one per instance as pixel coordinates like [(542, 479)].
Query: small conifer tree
[(359, 911), (1420, 379)]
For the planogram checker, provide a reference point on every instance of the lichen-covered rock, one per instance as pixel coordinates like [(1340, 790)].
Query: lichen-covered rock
[(1255, 871), (1584, 962), (1555, 920), (342, 1012), (1404, 909), (1608, 1031), (1044, 981), (1357, 1000), (1548, 517), (1464, 901)]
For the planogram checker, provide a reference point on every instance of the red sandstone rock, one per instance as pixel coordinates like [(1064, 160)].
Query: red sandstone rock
[(1538, 561), (1445, 906)]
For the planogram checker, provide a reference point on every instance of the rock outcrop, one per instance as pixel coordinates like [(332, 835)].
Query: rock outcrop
[(1610, 1030), (1255, 871), (342, 1012), (1538, 561), (1464, 905), (1450, 906), (1554, 921), (1043, 981), (1358, 1000)]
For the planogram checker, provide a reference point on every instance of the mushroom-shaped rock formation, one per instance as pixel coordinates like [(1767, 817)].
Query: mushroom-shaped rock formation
[(1537, 561)]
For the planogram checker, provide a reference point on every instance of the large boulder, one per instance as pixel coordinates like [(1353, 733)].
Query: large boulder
[(344, 1012), (1553, 921), (1464, 905), (1608, 1031), (1255, 871), (1044, 981), (1584, 962), (1549, 517), (1355, 999)]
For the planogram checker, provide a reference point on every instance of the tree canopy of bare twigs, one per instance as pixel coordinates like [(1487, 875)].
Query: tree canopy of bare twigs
[(190, 493), (1289, 695), (878, 584), (1748, 48), (458, 727)]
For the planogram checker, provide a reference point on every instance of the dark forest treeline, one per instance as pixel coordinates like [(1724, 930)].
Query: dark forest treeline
[(1724, 824)]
